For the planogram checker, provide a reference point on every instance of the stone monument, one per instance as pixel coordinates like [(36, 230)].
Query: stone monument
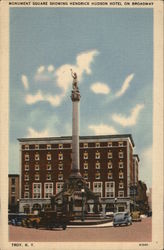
[(76, 198)]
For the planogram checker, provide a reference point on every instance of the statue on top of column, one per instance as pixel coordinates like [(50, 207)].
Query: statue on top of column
[(74, 76)]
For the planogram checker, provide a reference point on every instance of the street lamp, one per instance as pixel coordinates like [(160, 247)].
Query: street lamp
[(82, 192)]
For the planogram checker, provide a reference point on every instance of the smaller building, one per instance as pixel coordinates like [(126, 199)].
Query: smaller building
[(149, 195), (141, 198), (13, 203)]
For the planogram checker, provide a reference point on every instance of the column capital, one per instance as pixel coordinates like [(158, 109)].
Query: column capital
[(75, 96)]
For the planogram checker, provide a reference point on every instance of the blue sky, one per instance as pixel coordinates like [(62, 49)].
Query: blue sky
[(112, 52)]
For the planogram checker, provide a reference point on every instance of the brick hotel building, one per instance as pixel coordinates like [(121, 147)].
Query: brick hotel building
[(107, 163)]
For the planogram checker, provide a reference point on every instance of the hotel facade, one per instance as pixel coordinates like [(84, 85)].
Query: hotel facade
[(107, 163)]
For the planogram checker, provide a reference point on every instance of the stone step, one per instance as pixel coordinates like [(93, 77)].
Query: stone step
[(90, 222)]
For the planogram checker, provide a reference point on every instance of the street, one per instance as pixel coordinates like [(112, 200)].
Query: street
[(137, 232)]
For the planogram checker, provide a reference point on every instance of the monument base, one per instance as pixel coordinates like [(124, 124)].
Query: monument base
[(76, 198)]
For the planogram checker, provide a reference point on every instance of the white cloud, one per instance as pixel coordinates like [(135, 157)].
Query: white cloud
[(85, 59), (61, 77), (83, 65), (31, 99), (125, 85), (54, 100), (130, 120), (25, 81), (100, 88), (50, 68), (41, 69), (102, 129), (39, 96), (35, 134)]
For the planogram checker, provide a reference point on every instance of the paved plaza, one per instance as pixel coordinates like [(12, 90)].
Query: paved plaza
[(137, 232)]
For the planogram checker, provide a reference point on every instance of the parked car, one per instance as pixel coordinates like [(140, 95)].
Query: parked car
[(16, 219), (47, 219), (31, 220), (10, 217), (122, 218), (136, 216)]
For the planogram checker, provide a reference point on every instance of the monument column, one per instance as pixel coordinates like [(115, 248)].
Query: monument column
[(75, 97)]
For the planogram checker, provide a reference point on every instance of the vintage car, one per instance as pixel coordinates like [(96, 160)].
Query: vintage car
[(48, 220), (136, 216), (122, 218), (31, 220), (15, 219)]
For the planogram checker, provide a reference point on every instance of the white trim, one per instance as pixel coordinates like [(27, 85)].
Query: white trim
[(48, 183), (106, 188), (101, 188), (37, 183), (59, 183)]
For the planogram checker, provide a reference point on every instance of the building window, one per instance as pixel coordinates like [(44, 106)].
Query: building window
[(60, 156), (85, 176), (97, 144), (27, 157), (121, 175), (36, 167), (97, 188), (48, 177), (85, 145), (97, 176), (121, 185), (60, 166), (36, 146), (60, 146), (59, 187), (60, 177), (120, 144), (121, 155), (85, 165), (48, 146), (36, 157), (26, 147), (109, 155), (26, 177), (48, 190), (121, 164), (26, 187), (26, 195), (109, 144), (97, 155), (26, 167), (97, 165), (110, 175), (110, 165), (120, 193), (36, 177), (13, 189), (85, 155), (13, 181), (48, 157), (110, 189), (88, 184), (48, 166), (37, 191)]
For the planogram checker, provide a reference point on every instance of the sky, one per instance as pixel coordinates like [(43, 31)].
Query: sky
[(111, 50)]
